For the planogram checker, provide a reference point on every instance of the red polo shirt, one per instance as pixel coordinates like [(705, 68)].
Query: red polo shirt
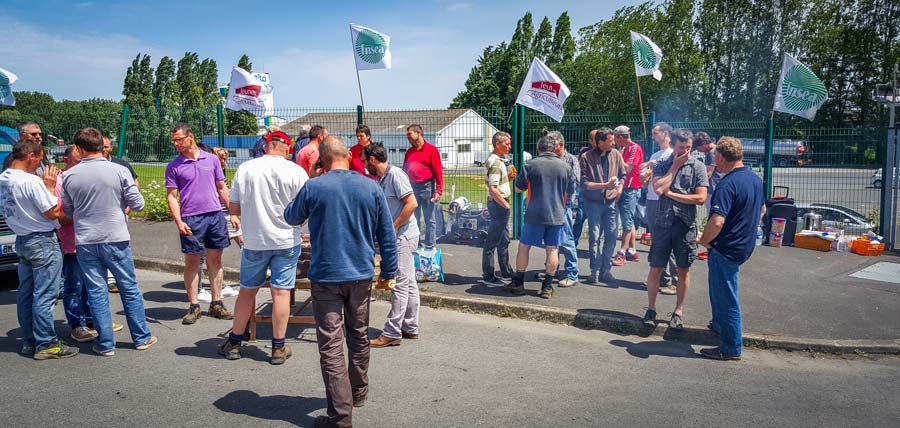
[(633, 154), (424, 164), (356, 163)]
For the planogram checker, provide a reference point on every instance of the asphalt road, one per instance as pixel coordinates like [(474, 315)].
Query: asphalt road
[(466, 370)]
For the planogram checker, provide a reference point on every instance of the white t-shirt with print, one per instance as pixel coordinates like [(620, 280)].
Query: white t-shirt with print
[(24, 200), (659, 156)]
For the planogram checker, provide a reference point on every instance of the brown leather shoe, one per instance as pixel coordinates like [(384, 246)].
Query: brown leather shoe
[(279, 356), (383, 341), (410, 336), (192, 316), (218, 310)]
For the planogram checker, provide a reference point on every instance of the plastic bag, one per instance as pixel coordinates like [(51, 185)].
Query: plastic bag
[(428, 265)]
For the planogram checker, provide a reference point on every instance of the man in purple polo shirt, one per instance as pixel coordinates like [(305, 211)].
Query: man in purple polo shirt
[(195, 191)]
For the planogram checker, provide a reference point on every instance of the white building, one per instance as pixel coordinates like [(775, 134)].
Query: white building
[(461, 135)]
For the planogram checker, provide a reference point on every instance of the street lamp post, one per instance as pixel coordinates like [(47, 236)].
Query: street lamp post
[(889, 95)]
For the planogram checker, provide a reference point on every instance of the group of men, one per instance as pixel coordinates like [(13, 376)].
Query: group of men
[(604, 186)]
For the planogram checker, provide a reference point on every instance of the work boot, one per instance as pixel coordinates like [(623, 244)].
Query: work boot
[(231, 351), (515, 288), (217, 310), (192, 316), (280, 355)]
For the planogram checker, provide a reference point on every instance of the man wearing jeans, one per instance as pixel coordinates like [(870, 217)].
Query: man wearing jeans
[(662, 137), (497, 239), (567, 248), (422, 164), (633, 156), (730, 235), (32, 212), (403, 319), (580, 214), (195, 192), (549, 182), (602, 171), (261, 190), (95, 194), (345, 211)]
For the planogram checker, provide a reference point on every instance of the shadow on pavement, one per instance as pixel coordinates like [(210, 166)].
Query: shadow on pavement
[(662, 348), (206, 348), (454, 279), (631, 285), (161, 313), (165, 296), (179, 285), (293, 410)]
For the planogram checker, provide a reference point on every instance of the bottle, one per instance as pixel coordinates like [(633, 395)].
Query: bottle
[(759, 236)]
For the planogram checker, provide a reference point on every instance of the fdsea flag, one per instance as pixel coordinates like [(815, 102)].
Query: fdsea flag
[(247, 92), (543, 91), (800, 92), (371, 49)]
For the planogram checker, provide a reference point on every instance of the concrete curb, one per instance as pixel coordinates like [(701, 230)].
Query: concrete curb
[(610, 321)]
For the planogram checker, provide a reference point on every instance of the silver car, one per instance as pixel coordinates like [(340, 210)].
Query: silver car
[(837, 217), (877, 180)]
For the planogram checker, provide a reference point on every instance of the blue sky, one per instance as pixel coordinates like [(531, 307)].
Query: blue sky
[(81, 49)]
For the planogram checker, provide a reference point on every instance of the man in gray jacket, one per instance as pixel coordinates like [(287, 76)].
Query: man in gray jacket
[(95, 194)]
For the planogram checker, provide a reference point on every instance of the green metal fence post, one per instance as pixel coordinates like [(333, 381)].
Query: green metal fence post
[(220, 121), (359, 115), (122, 129), (518, 161), (767, 163)]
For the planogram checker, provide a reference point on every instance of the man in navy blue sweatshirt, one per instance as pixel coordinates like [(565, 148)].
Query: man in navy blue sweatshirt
[(346, 211)]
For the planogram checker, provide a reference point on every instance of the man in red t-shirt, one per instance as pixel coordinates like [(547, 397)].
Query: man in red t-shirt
[(633, 156), (309, 154), (422, 164), (363, 138)]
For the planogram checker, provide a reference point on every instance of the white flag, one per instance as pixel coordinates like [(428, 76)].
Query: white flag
[(799, 92), (543, 91), (371, 49), (247, 92), (7, 78), (647, 56)]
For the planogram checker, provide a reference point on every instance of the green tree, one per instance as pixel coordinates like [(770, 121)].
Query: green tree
[(541, 44), (138, 86), (188, 80), (165, 89), (562, 50)]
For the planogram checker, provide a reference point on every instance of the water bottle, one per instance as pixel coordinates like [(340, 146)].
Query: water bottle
[(759, 236)]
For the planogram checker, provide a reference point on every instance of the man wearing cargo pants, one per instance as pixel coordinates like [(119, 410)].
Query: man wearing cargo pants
[(346, 213), (403, 319)]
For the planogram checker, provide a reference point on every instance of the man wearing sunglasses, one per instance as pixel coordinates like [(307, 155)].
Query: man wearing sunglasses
[(28, 131)]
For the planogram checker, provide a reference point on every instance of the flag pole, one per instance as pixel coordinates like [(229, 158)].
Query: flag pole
[(641, 103), (358, 81)]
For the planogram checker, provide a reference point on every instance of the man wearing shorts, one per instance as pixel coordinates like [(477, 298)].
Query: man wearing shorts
[(633, 156), (681, 183), (195, 190), (549, 182), (261, 190)]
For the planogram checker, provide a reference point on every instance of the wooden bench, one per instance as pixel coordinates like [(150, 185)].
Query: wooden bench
[(302, 283)]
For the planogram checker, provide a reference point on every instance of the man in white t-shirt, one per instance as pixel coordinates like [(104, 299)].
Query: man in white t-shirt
[(260, 191), (662, 137), (32, 212)]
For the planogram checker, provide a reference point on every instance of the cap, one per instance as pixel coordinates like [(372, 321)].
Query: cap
[(622, 130), (280, 137)]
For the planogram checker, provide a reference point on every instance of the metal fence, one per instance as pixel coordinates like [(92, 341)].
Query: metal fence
[(830, 167)]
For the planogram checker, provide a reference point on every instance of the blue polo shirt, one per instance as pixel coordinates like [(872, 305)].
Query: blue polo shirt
[(738, 198)]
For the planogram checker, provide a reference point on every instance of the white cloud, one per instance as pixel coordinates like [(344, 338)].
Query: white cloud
[(459, 7), (73, 67)]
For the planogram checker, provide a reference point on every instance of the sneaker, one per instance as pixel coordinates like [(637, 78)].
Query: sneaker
[(229, 291), (593, 278), (279, 356), (192, 316), (517, 289), (55, 351), (568, 282), (118, 326), (504, 280), (113, 288), (143, 346), (217, 310), (650, 318), (676, 323), (619, 259), (204, 295), (546, 292), (632, 256), (607, 278), (669, 290), (703, 255), (717, 354), (230, 350), (83, 334), (27, 350), (102, 353), (492, 282)]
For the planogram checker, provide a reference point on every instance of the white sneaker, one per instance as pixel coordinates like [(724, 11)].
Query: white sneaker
[(229, 291), (204, 295)]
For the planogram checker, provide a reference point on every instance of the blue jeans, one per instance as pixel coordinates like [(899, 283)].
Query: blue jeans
[(40, 264), (578, 225), (95, 259), (424, 192), (723, 297), (75, 296), (601, 223), (628, 207), (567, 248)]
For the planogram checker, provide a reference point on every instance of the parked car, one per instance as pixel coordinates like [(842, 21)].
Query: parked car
[(877, 180), (837, 217), (8, 258)]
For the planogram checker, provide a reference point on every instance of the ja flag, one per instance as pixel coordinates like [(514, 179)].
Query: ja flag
[(799, 91), (647, 56), (247, 92), (371, 49), (6, 94), (543, 91)]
